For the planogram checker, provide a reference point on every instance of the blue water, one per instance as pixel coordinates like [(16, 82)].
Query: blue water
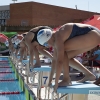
[(10, 86), (13, 97), (7, 76), (6, 69), (3, 64), (4, 58)]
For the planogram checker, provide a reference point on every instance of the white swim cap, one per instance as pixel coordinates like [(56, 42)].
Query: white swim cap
[(17, 41), (44, 35)]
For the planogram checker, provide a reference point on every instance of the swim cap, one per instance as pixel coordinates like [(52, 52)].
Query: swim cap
[(17, 41), (44, 35)]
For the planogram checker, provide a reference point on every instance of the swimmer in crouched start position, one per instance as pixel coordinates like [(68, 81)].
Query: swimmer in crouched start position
[(68, 41)]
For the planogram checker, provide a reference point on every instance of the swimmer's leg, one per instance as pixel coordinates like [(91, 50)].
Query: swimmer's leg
[(66, 78), (78, 45)]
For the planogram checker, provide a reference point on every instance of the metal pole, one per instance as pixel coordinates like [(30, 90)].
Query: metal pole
[(14, 1), (0, 28), (88, 5)]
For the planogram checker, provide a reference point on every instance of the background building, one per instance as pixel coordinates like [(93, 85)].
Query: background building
[(21, 17), (4, 14), (33, 13)]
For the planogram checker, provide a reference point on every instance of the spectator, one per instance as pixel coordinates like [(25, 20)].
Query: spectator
[(88, 54), (95, 57)]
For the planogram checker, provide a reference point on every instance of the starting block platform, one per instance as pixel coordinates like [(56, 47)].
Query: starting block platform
[(77, 91), (76, 88), (41, 69)]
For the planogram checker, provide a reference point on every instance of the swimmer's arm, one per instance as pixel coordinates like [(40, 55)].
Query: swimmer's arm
[(11, 48), (31, 55), (16, 52), (59, 60), (43, 51), (52, 68), (25, 52), (21, 54), (46, 53)]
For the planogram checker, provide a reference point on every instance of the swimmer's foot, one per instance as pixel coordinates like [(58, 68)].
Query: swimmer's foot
[(64, 83), (24, 58), (37, 66), (97, 82), (89, 77)]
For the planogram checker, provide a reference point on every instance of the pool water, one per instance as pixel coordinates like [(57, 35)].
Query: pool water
[(7, 76), (6, 69), (9, 86)]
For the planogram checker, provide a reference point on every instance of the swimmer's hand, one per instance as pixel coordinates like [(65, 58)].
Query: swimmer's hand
[(37, 65), (50, 84), (55, 88)]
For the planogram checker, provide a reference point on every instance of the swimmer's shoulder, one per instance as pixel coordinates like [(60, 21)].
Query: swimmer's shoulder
[(66, 26)]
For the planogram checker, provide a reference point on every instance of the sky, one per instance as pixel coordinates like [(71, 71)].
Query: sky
[(87, 5)]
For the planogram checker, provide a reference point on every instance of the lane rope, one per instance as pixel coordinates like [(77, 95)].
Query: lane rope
[(6, 67), (7, 80), (6, 72), (8, 93)]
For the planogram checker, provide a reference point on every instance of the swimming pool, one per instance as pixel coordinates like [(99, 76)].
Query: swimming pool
[(9, 84)]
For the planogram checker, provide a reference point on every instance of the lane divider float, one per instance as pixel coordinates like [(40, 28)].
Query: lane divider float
[(8, 93), (7, 80), (6, 72), (6, 67)]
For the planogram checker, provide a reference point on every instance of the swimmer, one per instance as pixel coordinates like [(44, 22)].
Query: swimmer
[(34, 47), (23, 47), (68, 41)]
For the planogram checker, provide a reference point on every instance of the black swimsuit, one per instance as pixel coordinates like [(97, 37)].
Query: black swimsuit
[(76, 31)]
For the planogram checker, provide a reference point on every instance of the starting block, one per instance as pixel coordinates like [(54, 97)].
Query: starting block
[(43, 78), (44, 72), (43, 75), (77, 91)]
